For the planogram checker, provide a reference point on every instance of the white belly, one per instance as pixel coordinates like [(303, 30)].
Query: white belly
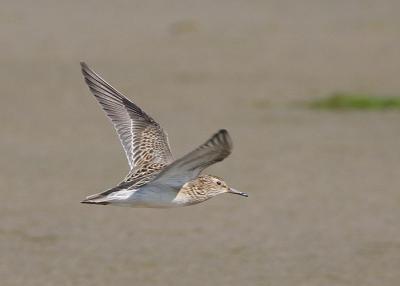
[(148, 197)]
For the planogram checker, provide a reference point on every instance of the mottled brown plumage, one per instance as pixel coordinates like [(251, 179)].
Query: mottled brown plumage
[(155, 179)]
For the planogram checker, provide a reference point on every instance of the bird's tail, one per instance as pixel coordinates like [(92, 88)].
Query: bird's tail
[(97, 199), (103, 197)]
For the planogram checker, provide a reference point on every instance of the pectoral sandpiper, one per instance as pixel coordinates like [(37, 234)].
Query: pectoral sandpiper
[(155, 179)]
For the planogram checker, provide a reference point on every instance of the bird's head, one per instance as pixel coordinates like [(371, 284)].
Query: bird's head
[(212, 186)]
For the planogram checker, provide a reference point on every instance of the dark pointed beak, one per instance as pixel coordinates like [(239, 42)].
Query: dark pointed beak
[(236, 192)]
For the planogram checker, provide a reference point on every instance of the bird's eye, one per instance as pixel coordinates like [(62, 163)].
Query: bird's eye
[(219, 183)]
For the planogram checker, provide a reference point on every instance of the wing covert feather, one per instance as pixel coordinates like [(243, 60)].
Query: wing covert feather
[(187, 168), (142, 138)]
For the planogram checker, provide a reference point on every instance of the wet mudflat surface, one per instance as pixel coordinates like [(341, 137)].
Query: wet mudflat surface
[(324, 186)]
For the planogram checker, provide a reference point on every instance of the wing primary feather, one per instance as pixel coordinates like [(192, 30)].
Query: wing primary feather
[(136, 130), (187, 168)]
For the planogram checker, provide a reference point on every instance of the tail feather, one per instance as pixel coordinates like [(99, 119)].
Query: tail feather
[(101, 198), (97, 199)]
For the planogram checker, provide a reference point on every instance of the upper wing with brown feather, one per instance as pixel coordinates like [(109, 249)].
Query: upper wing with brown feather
[(187, 168), (142, 138)]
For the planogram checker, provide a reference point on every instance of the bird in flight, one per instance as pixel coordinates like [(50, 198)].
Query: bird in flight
[(155, 179)]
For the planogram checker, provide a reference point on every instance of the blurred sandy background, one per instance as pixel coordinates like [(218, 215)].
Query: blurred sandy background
[(324, 186)]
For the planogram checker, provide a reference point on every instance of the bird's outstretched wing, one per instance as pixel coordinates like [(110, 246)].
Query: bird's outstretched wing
[(144, 141), (187, 168)]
